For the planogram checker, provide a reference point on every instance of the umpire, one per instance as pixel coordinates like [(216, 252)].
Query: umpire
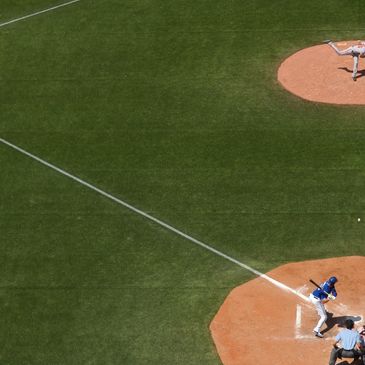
[(351, 344)]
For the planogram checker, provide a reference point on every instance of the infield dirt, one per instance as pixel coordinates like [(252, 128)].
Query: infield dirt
[(318, 74), (262, 324)]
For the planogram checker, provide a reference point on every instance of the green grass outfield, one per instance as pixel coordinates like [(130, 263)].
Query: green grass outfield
[(174, 107)]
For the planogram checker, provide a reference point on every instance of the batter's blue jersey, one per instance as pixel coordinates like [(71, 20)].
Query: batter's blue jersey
[(325, 287)]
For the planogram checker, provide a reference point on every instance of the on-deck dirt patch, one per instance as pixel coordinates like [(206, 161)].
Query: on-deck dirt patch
[(262, 324), (319, 74)]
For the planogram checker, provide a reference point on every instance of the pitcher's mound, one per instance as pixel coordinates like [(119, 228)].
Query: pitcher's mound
[(319, 74), (260, 324)]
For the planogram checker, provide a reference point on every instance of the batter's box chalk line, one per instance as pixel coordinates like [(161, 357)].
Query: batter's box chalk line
[(299, 334)]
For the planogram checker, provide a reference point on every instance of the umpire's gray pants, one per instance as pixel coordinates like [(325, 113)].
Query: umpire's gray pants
[(351, 354)]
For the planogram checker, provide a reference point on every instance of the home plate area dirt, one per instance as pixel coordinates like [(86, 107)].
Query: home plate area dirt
[(318, 74), (260, 323)]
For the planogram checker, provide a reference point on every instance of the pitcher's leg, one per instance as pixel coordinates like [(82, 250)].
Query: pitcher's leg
[(356, 64), (345, 52)]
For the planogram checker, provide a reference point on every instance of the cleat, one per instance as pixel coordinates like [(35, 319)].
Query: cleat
[(318, 334), (327, 41), (354, 78)]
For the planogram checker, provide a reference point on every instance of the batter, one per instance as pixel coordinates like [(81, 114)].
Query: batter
[(319, 297)]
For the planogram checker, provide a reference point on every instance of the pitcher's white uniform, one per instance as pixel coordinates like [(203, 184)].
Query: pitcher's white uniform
[(355, 51)]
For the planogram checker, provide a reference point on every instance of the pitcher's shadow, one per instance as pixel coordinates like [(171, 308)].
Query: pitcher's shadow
[(339, 321), (360, 73)]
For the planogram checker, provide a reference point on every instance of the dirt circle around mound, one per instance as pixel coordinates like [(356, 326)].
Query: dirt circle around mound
[(318, 74), (260, 323)]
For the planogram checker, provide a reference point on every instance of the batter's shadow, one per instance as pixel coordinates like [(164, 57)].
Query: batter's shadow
[(360, 73), (338, 321), (354, 362)]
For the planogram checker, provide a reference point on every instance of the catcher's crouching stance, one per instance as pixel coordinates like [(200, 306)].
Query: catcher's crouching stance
[(319, 297)]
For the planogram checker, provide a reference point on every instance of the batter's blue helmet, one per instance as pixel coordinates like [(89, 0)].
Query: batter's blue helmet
[(332, 280)]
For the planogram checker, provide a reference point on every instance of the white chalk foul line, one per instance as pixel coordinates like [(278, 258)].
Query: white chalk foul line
[(38, 13), (157, 221), (298, 321)]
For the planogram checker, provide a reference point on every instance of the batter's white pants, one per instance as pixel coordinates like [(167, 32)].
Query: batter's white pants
[(354, 51), (321, 310)]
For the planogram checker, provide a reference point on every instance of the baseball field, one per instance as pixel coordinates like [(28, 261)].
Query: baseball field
[(174, 108)]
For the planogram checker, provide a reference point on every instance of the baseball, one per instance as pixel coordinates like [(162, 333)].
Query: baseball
[(358, 219)]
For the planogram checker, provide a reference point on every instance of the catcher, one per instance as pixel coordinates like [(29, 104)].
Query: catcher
[(361, 331), (319, 297)]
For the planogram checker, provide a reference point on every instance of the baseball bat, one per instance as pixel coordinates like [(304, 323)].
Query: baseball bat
[(314, 283)]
